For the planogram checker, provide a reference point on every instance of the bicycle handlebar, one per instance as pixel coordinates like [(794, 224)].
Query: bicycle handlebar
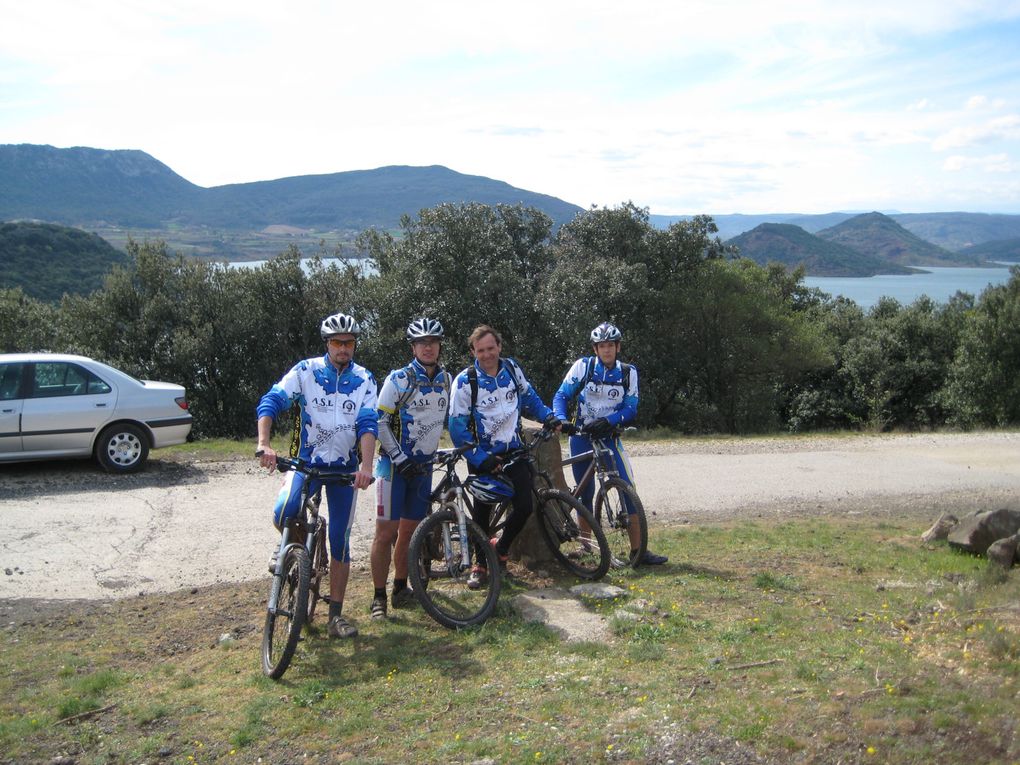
[(326, 475)]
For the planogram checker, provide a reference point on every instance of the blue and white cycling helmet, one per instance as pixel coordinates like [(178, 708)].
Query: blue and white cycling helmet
[(605, 332), (339, 324), (489, 488), (419, 329)]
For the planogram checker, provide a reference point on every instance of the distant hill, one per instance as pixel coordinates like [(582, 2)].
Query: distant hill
[(47, 260), (731, 225), (793, 246), (84, 186), (1002, 251), (879, 235), (951, 230), (957, 230)]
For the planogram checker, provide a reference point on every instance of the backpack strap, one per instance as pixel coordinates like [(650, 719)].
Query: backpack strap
[(412, 388)]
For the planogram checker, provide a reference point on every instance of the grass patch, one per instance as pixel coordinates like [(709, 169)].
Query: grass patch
[(820, 640)]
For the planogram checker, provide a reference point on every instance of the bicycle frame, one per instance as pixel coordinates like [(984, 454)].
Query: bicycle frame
[(450, 495), (312, 526), (602, 462)]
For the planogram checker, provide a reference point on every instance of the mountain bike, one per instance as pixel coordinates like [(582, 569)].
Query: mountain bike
[(575, 539), (616, 504), (301, 567), (444, 548)]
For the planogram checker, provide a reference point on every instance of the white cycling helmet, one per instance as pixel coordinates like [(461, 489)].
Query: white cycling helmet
[(339, 324), (605, 332), (424, 327)]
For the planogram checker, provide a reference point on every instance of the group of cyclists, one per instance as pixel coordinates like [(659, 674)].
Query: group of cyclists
[(343, 415)]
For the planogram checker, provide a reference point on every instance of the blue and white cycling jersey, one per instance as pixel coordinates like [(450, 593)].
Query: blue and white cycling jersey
[(415, 429), (336, 409), (496, 413), (602, 396)]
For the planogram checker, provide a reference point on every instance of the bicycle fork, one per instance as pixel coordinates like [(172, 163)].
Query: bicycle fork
[(281, 556), (454, 500)]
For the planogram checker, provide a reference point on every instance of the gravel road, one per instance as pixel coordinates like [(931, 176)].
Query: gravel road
[(73, 532)]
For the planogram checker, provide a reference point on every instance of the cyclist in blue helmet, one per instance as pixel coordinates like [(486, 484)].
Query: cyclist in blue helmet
[(337, 401), (412, 412), (606, 392), (488, 400)]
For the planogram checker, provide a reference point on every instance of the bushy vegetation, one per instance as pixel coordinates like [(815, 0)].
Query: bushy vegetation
[(46, 261), (722, 344)]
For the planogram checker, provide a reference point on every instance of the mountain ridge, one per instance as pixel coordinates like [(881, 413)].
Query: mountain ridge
[(792, 246)]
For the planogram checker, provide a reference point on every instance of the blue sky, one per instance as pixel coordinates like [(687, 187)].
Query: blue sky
[(703, 106)]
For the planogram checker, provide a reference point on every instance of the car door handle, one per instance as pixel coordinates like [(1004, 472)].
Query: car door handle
[(8, 411), (100, 406)]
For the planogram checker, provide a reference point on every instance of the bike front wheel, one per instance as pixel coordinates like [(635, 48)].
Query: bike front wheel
[(282, 630), (611, 514), (572, 534), (439, 574)]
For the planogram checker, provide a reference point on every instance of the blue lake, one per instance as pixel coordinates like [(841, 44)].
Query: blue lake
[(939, 284)]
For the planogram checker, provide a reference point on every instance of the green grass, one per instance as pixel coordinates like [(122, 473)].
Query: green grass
[(809, 641)]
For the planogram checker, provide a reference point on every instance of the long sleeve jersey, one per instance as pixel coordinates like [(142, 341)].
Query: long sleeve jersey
[(496, 414), (412, 413), (600, 394), (336, 409)]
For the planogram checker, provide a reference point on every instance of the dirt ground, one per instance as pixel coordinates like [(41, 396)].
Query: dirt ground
[(72, 532)]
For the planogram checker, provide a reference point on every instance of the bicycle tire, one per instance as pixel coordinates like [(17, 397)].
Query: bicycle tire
[(611, 514), (585, 557), (319, 572), (282, 630), (439, 579)]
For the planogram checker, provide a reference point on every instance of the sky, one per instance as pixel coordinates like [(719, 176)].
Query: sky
[(700, 106)]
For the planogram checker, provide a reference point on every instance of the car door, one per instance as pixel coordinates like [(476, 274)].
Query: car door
[(11, 404), (65, 406)]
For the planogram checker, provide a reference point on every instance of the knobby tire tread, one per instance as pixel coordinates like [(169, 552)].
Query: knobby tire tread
[(623, 491), (550, 518), (420, 564), (294, 598)]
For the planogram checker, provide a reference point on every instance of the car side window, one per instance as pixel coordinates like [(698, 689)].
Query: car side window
[(60, 378), (10, 381)]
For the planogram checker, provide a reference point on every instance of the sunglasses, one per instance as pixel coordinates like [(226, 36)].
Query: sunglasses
[(335, 342)]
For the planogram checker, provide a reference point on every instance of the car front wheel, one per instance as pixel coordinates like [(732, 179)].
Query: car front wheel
[(122, 448)]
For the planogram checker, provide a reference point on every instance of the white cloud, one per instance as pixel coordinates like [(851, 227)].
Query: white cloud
[(1007, 128), (990, 163), (681, 106)]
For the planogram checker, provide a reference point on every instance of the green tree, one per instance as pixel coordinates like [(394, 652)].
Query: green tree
[(983, 386), (26, 324), (465, 265), (741, 340)]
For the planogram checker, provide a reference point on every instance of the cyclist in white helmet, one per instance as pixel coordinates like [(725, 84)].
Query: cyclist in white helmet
[(412, 412), (337, 401), (606, 391)]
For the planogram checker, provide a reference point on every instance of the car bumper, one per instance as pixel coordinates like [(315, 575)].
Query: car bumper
[(167, 432)]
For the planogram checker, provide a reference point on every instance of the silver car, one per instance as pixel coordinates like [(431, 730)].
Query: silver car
[(58, 405)]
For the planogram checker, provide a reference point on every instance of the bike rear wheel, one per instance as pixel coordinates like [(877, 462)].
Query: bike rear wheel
[(584, 553), (611, 514), (282, 630), (319, 572), (439, 576)]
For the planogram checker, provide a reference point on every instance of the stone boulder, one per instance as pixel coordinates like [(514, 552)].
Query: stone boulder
[(941, 528), (977, 531), (1003, 551)]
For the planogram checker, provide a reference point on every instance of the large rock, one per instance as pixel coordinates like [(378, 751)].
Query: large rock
[(563, 614), (1003, 551), (976, 532), (941, 528)]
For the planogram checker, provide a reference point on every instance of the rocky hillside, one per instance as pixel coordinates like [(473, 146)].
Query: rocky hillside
[(793, 246), (875, 234)]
